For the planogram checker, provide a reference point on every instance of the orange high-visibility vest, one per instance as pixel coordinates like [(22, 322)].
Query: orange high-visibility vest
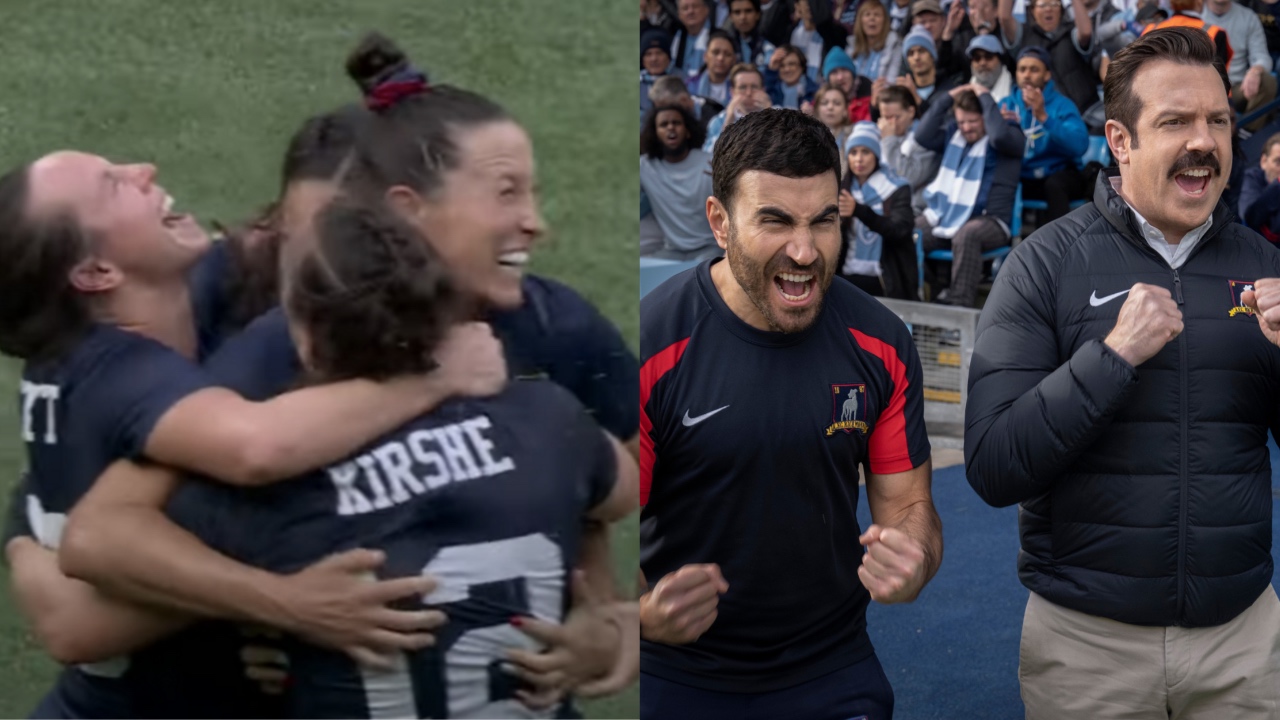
[(1180, 20)]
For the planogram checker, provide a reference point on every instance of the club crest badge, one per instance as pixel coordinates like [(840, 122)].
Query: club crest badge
[(848, 408), (1238, 288)]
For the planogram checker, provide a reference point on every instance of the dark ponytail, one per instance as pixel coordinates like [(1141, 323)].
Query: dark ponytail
[(41, 313), (411, 135)]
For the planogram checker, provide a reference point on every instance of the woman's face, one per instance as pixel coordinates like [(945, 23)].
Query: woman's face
[(791, 68), (832, 110), (872, 19), (484, 219)]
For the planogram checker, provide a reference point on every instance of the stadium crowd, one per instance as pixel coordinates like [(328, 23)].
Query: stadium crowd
[(953, 117)]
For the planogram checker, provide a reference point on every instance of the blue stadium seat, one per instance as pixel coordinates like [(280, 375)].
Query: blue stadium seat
[(1097, 152)]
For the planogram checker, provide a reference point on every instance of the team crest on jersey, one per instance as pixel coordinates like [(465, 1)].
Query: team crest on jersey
[(848, 408), (1238, 288)]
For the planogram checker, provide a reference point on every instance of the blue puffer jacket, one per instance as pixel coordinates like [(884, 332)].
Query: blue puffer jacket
[(1145, 493), (1061, 139)]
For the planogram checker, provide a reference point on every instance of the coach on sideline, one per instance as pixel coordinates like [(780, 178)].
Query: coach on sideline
[(765, 383), (1121, 392)]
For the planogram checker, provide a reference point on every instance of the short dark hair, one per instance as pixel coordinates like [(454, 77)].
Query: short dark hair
[(900, 95), (788, 49), (41, 313), (375, 300), (413, 139), (777, 141), (967, 100), (754, 3), (725, 36), (1270, 143), (652, 146), (1183, 45)]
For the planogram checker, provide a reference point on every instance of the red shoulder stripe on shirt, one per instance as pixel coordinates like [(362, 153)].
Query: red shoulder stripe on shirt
[(652, 371), (887, 449)]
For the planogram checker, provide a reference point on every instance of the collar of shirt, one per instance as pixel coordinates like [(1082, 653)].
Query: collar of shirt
[(1177, 254)]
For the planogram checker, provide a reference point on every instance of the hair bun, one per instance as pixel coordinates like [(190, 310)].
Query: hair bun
[(374, 61), (383, 72)]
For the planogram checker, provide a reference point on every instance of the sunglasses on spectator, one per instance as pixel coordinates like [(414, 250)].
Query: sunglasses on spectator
[(981, 56)]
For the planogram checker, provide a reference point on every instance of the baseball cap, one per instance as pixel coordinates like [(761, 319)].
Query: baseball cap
[(984, 42), (932, 6)]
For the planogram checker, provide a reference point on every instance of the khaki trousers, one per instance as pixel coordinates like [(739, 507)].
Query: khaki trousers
[(1073, 665)]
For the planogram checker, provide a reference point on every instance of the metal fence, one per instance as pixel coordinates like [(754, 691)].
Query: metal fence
[(944, 340)]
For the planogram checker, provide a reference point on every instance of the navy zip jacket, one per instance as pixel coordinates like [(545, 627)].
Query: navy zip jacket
[(1145, 493)]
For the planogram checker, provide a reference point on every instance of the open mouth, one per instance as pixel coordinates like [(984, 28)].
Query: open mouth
[(1193, 181), (171, 219), (796, 289), (514, 262)]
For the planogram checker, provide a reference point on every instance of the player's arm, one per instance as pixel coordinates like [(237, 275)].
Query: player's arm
[(217, 433), (72, 620), (904, 544), (119, 539)]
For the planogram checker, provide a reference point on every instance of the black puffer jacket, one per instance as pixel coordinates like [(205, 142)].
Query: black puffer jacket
[(1146, 494)]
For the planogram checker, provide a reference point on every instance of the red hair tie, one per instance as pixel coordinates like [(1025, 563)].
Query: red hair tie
[(390, 93)]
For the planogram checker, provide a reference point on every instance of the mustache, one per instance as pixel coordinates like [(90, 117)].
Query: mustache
[(1194, 160), (784, 264)]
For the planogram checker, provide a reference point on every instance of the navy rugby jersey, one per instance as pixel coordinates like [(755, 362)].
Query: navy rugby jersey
[(750, 447), (486, 495), (555, 334), (96, 404)]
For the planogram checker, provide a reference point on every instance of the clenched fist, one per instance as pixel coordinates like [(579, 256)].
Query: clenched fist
[(893, 568), (682, 605), (1265, 299), (1149, 320)]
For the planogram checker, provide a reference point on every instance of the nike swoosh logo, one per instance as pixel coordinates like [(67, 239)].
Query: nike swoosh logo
[(691, 421), (1095, 301)]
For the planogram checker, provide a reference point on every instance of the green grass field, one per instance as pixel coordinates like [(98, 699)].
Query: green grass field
[(211, 91)]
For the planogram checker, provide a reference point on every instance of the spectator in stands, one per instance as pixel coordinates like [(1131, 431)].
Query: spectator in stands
[(675, 177), (654, 14), (655, 59), (954, 43), (671, 90), (877, 253), (832, 108), (982, 17), (875, 49), (970, 203), (816, 37), (1260, 195), (1069, 44), (1266, 12), (1252, 85), (1188, 13), (838, 70), (744, 28), (923, 80), (1112, 29), (712, 80), (899, 150), (777, 19), (986, 62), (785, 81), (899, 17), (928, 14), (690, 42), (748, 95), (1056, 136)]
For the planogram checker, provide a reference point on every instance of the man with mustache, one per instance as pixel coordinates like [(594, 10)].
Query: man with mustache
[(1121, 393), (756, 597)]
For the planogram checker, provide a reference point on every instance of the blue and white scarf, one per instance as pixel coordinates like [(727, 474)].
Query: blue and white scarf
[(691, 60), (863, 257), (951, 195)]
